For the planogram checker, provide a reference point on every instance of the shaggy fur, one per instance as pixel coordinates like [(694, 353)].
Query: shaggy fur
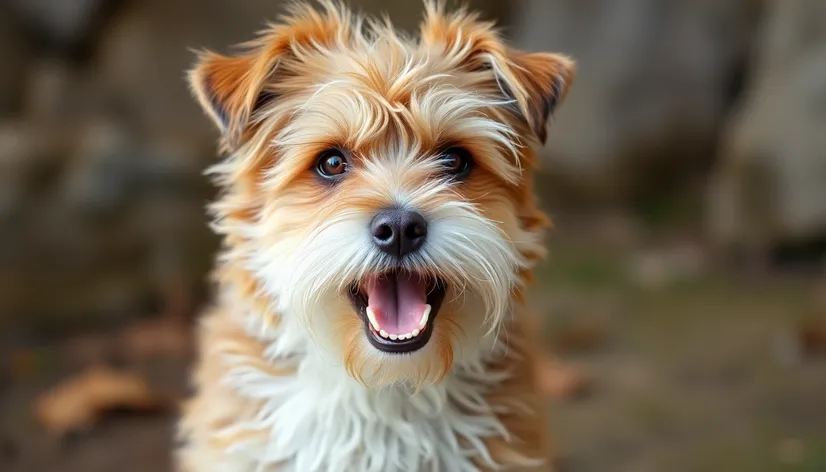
[(286, 379)]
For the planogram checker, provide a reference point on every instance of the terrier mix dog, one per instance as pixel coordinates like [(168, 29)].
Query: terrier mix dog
[(379, 226)]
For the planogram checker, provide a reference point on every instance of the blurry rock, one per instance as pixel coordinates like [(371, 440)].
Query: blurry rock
[(49, 90), (103, 234), (172, 166), (80, 233), (655, 79), (769, 187), (14, 59), (149, 45), (62, 25), (58, 93), (18, 150), (100, 176)]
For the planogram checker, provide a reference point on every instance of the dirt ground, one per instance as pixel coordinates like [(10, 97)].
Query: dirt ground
[(712, 373), (689, 369)]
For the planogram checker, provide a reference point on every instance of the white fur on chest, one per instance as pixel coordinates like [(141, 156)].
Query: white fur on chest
[(321, 419)]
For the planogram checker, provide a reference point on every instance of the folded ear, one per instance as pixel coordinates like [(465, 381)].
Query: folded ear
[(228, 89), (536, 82), (232, 89)]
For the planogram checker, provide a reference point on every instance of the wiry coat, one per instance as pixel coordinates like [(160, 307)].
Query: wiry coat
[(286, 380)]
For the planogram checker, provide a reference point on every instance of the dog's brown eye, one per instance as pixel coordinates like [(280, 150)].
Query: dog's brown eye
[(456, 162), (331, 164)]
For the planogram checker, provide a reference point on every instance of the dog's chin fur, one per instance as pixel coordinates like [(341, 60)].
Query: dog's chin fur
[(287, 378)]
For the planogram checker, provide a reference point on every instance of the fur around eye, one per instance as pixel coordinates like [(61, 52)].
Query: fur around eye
[(332, 164), (456, 162)]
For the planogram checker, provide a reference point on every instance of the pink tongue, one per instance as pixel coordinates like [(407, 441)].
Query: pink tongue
[(398, 302)]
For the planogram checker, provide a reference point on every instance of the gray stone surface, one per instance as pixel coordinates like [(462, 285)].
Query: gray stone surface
[(770, 185), (14, 60), (652, 87)]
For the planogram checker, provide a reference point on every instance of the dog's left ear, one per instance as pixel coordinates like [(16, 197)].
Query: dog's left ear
[(536, 82)]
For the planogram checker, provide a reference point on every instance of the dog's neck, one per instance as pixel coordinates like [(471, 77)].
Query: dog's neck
[(318, 417)]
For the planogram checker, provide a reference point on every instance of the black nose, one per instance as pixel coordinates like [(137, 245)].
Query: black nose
[(398, 232)]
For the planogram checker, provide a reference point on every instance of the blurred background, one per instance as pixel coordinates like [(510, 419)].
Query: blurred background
[(684, 299)]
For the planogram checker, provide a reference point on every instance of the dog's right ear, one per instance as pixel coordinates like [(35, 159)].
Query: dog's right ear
[(228, 88), (231, 89)]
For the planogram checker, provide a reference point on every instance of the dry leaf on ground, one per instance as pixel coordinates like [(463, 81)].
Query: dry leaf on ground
[(162, 337), (81, 401), (580, 336), (559, 381), (812, 336)]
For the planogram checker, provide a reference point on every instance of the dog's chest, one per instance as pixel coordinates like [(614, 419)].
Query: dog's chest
[(320, 420)]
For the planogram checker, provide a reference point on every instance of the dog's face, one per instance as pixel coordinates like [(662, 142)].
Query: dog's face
[(378, 188)]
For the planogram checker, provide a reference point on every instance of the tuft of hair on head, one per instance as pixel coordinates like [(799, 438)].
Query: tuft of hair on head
[(231, 89), (535, 82)]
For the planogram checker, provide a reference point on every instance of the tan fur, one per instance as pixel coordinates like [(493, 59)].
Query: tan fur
[(216, 406), (267, 184)]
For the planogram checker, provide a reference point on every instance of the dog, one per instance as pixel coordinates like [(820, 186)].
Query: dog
[(379, 228)]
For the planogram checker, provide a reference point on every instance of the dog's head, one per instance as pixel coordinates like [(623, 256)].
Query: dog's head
[(377, 189)]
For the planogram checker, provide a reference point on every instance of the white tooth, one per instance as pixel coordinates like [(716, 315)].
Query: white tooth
[(383, 333), (415, 333), (394, 337), (405, 336), (425, 316), (372, 317)]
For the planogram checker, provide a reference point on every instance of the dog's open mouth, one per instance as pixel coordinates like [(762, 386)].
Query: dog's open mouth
[(398, 309)]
